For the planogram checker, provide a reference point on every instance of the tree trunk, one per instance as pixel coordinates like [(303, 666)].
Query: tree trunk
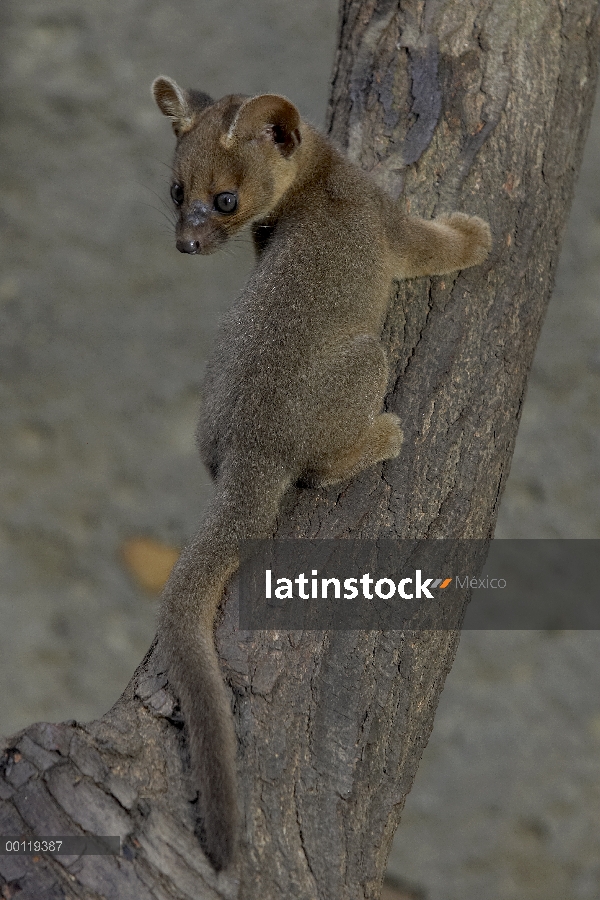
[(481, 107)]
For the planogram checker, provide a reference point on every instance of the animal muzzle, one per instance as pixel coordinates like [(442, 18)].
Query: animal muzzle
[(197, 232), (188, 245)]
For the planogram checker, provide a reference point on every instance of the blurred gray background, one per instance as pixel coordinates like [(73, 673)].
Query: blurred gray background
[(103, 337)]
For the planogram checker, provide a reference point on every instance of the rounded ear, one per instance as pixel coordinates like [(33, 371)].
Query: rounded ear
[(178, 105), (268, 117)]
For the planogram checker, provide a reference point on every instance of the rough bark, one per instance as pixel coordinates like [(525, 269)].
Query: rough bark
[(479, 106)]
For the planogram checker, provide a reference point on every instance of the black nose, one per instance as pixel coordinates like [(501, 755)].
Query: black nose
[(188, 246)]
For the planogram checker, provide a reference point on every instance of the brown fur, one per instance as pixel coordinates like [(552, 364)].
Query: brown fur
[(295, 387)]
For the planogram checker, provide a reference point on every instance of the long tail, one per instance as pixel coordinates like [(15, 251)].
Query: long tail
[(243, 507)]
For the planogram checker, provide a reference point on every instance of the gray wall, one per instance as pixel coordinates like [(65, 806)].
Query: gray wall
[(103, 336)]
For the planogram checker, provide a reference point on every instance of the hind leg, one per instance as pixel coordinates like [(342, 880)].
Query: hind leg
[(381, 440)]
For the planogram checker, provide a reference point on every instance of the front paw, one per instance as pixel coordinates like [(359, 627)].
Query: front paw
[(476, 238)]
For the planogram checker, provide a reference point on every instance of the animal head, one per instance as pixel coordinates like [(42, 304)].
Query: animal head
[(235, 158)]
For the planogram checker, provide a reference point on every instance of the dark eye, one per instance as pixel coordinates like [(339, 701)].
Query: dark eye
[(226, 202), (177, 193)]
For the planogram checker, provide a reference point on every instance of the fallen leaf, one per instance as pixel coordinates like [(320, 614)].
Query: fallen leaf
[(149, 562)]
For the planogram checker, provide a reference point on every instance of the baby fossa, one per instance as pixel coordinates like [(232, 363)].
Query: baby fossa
[(294, 390)]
